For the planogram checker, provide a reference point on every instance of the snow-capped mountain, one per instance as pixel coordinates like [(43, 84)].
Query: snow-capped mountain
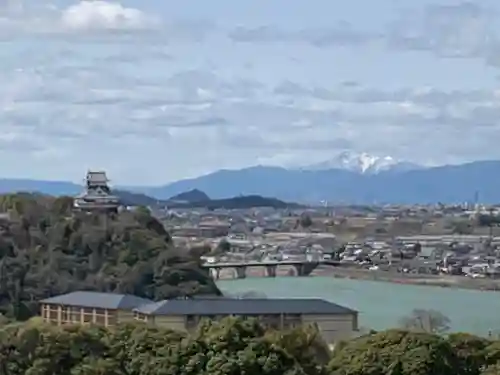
[(363, 163)]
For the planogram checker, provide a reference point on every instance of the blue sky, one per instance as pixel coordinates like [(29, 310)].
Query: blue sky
[(155, 91)]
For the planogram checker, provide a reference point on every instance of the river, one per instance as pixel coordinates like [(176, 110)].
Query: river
[(381, 305)]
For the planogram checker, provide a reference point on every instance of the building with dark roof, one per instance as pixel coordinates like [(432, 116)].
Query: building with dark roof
[(90, 308), (334, 321)]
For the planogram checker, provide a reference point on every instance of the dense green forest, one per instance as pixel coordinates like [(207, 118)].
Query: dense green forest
[(46, 249), (233, 347)]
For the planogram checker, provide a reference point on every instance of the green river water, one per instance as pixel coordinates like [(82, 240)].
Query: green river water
[(382, 305)]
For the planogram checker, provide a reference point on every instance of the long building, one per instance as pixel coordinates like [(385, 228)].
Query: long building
[(107, 309)]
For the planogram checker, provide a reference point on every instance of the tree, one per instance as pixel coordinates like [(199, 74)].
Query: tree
[(223, 247), (142, 210), (431, 321), (463, 227), (237, 346), (306, 221), (492, 370), (135, 347), (492, 353), (198, 251), (488, 220), (96, 366), (395, 352), (36, 348), (470, 351), (307, 346), (417, 248)]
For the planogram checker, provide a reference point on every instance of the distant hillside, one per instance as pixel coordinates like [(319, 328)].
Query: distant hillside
[(128, 198), (55, 188), (190, 196), (249, 181), (243, 202), (446, 184)]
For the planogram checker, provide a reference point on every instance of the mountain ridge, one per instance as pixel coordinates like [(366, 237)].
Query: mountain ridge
[(445, 184)]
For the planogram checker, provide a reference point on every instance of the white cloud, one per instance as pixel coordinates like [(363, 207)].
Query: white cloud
[(34, 17), (98, 14)]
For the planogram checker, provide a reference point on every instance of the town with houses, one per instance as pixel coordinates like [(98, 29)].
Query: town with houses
[(406, 241)]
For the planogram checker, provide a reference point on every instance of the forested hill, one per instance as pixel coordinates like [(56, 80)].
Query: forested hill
[(236, 203), (46, 250)]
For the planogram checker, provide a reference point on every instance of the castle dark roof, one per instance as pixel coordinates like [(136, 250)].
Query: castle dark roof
[(110, 301), (251, 306), (97, 177)]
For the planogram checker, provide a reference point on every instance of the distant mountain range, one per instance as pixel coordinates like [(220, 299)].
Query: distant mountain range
[(446, 184), (393, 183)]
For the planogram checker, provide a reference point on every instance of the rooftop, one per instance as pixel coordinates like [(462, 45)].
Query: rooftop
[(110, 301), (251, 306), (97, 177)]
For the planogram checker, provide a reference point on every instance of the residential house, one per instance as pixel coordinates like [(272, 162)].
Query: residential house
[(214, 228)]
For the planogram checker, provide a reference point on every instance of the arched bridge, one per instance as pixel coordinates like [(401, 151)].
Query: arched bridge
[(302, 268)]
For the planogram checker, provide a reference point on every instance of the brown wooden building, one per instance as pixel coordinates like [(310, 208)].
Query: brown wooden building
[(83, 307)]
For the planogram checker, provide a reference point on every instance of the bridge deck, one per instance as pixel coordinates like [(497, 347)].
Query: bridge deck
[(264, 264)]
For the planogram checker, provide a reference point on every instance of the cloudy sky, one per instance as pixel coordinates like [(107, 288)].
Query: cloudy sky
[(155, 91)]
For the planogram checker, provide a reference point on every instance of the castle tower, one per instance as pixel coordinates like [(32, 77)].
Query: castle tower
[(97, 194)]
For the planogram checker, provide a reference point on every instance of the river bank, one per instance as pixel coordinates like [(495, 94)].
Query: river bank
[(443, 281)]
